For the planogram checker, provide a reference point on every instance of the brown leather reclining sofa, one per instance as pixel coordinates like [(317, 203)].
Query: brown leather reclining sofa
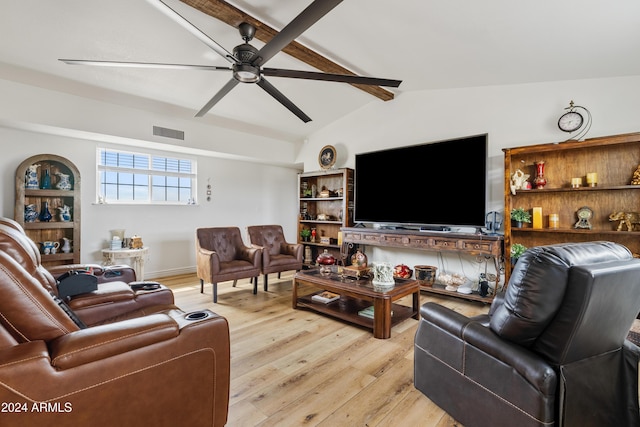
[(139, 362)]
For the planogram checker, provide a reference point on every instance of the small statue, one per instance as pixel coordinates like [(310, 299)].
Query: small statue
[(636, 177), (519, 181), (630, 219)]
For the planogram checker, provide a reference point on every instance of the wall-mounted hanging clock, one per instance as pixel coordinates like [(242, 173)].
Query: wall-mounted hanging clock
[(574, 120)]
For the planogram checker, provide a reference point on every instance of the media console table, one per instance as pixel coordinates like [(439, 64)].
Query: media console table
[(472, 244)]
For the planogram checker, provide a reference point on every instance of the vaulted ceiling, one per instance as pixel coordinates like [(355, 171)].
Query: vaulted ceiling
[(428, 44)]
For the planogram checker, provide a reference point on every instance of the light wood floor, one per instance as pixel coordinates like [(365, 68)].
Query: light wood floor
[(298, 368)]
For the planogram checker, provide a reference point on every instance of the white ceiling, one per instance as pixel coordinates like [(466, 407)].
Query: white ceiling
[(429, 44)]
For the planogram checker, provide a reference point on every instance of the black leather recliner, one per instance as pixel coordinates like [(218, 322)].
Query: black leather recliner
[(552, 351)]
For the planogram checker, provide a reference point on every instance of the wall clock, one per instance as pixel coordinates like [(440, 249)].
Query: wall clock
[(327, 156), (574, 120)]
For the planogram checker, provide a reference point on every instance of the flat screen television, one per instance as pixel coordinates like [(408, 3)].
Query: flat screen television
[(435, 186)]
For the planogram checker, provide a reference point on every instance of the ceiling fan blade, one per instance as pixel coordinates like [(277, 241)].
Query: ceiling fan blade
[(343, 78), (217, 97), (271, 90), (182, 21), (300, 23), (142, 65)]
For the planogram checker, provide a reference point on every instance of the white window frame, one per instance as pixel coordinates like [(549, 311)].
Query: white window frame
[(143, 178)]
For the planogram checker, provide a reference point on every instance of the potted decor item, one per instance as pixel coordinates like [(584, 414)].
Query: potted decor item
[(517, 249), (305, 234), (520, 216)]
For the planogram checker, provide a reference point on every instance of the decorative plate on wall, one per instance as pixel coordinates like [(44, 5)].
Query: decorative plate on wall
[(327, 156)]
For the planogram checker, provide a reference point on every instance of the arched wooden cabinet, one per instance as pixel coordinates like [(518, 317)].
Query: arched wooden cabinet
[(61, 181)]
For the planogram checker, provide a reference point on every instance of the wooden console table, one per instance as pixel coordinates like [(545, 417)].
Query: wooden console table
[(472, 244)]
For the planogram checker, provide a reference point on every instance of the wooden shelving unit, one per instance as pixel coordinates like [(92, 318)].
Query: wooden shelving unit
[(54, 230), (613, 158), (326, 214)]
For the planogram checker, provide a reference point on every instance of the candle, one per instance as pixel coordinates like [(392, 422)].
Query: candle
[(592, 179), (554, 220), (339, 238), (537, 217), (576, 182)]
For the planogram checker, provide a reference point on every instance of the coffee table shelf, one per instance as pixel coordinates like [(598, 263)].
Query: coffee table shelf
[(347, 308), (356, 295)]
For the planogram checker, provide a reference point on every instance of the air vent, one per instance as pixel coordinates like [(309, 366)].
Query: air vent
[(168, 133)]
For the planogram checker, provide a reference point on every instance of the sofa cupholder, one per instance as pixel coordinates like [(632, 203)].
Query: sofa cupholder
[(197, 315)]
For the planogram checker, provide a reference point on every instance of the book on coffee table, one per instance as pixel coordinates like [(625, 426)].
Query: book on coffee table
[(325, 297), (368, 312)]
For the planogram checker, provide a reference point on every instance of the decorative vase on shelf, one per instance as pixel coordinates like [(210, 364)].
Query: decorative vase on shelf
[(30, 213), (63, 181), (31, 177), (45, 215), (66, 246), (46, 180), (64, 213), (540, 180)]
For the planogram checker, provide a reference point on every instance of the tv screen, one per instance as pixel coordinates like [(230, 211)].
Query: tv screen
[(433, 185)]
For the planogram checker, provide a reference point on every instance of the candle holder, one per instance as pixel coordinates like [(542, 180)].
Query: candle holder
[(576, 182), (592, 179)]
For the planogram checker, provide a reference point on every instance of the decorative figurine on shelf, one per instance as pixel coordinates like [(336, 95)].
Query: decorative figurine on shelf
[(63, 181), (630, 219), (45, 215), (540, 180), (31, 177), (519, 181), (64, 213), (46, 180), (635, 180)]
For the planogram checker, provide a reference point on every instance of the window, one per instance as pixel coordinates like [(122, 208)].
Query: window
[(125, 177)]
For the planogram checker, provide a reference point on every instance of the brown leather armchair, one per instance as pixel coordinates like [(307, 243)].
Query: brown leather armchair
[(113, 299), (550, 352), (221, 255), (167, 368), (277, 254)]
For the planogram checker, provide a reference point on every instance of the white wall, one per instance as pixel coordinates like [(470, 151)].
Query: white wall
[(244, 193), (512, 116)]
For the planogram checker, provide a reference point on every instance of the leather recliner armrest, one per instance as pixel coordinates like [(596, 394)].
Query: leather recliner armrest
[(524, 362), (100, 342)]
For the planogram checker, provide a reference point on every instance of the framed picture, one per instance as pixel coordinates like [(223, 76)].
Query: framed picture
[(327, 156)]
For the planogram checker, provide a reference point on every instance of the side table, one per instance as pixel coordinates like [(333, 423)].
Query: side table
[(137, 255)]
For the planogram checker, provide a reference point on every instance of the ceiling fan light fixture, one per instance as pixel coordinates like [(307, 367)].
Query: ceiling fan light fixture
[(246, 73)]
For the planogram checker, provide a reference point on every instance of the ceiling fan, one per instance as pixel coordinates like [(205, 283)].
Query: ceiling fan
[(247, 62)]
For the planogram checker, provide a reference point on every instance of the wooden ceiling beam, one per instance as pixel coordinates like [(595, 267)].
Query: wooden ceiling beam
[(233, 16)]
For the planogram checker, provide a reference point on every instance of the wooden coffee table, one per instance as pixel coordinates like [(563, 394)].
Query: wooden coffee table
[(358, 294)]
